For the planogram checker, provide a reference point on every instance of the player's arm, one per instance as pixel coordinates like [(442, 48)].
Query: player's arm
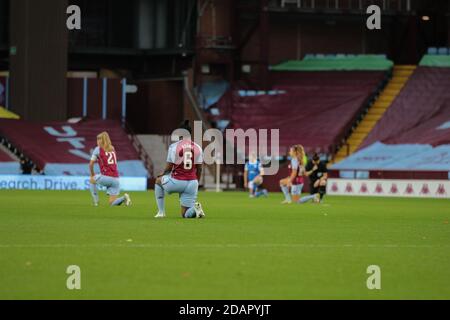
[(245, 177), (94, 157), (198, 169), (167, 169), (170, 162), (261, 170), (293, 175), (198, 162), (309, 171), (91, 170), (91, 167), (324, 177)]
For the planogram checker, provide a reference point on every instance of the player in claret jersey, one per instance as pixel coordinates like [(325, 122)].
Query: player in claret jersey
[(106, 157), (181, 175), (296, 172)]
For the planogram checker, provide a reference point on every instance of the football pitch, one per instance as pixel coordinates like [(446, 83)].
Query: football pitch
[(244, 249)]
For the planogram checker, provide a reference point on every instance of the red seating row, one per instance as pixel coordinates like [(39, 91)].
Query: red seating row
[(421, 112), (4, 157), (62, 148), (316, 110)]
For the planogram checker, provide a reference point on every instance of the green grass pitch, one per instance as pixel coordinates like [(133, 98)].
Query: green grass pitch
[(244, 249)]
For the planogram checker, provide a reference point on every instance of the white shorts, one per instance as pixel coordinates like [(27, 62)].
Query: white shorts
[(187, 189)]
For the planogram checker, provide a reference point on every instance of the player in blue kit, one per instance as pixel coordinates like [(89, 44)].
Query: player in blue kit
[(253, 177)]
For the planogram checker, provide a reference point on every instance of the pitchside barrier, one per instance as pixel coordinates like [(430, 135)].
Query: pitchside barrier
[(390, 188), (37, 182)]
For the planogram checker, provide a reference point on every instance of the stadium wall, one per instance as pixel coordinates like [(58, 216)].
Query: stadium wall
[(38, 182), (391, 174), (293, 39), (157, 107), (390, 188), (94, 98), (38, 59)]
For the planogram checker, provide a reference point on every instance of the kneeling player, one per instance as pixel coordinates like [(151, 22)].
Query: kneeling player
[(253, 177), (295, 179), (106, 157), (181, 175), (317, 172), (258, 188)]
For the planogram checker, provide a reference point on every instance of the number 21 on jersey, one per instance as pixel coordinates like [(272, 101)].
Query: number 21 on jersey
[(111, 157)]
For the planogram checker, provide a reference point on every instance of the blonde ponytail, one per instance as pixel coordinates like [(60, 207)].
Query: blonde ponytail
[(105, 141)]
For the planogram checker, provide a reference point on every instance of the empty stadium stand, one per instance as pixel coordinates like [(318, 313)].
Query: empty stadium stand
[(336, 62), (420, 113), (414, 133), (403, 157), (156, 146), (9, 164), (63, 148), (400, 76), (314, 108)]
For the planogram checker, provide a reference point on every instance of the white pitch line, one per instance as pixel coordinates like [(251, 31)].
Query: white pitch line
[(236, 245)]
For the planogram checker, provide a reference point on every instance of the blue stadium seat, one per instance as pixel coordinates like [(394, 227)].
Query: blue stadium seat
[(214, 111), (222, 124), (432, 50), (443, 51)]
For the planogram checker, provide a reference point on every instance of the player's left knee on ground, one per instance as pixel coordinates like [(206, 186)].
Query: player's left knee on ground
[(188, 212), (111, 200), (116, 201)]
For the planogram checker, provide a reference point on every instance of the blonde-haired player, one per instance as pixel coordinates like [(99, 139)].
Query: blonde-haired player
[(105, 155), (295, 180)]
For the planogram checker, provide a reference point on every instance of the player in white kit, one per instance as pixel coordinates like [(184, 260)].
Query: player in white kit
[(181, 175)]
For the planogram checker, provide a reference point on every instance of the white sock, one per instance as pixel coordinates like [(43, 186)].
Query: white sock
[(94, 192), (285, 191), (159, 195)]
